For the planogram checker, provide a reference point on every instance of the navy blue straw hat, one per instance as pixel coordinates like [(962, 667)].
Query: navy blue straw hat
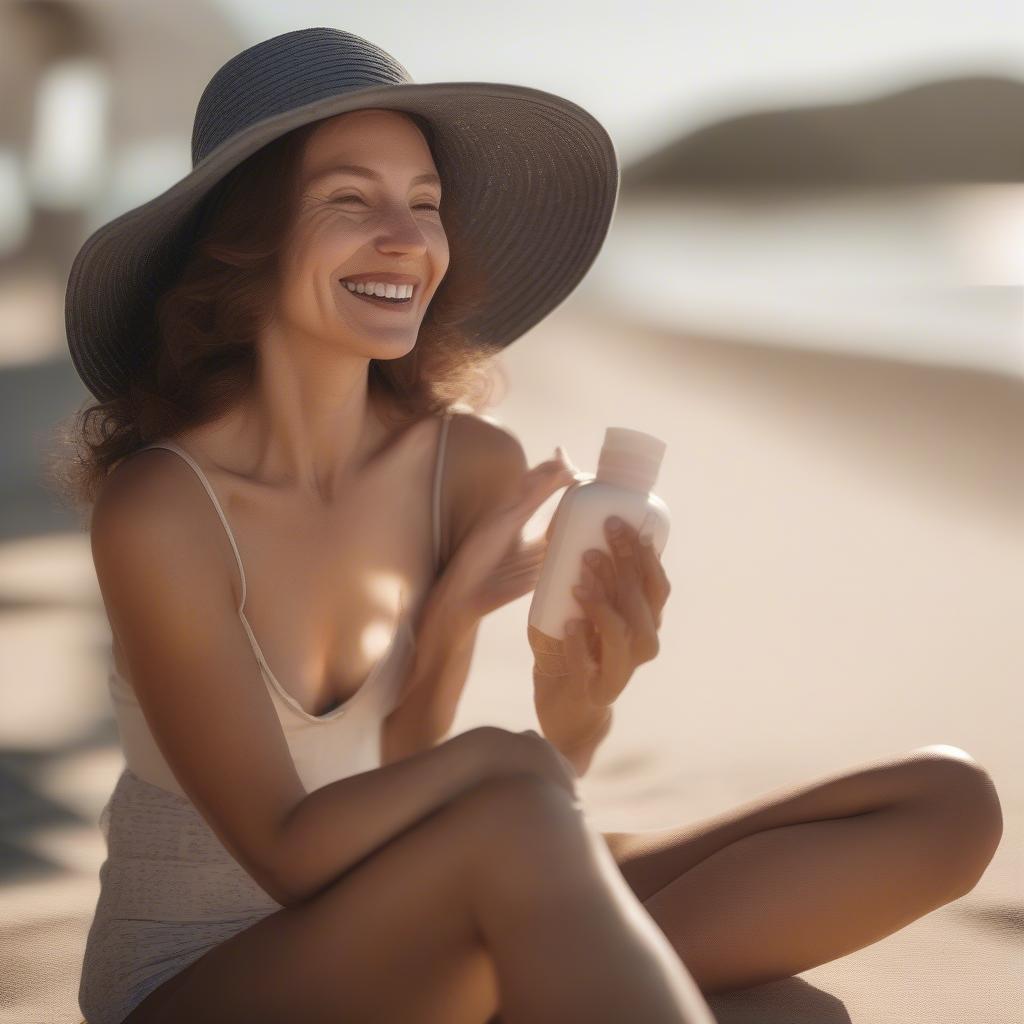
[(532, 179)]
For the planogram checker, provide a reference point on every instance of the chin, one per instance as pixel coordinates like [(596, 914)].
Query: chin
[(387, 353)]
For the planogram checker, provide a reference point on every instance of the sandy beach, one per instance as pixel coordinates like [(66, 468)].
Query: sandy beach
[(846, 558)]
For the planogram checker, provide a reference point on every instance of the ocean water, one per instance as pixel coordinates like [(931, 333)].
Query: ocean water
[(928, 274)]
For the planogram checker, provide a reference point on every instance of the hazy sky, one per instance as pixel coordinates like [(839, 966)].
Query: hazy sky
[(649, 68)]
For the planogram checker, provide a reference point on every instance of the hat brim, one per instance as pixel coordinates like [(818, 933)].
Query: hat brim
[(533, 179)]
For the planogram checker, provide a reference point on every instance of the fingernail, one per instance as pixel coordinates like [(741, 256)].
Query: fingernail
[(614, 524), (570, 627)]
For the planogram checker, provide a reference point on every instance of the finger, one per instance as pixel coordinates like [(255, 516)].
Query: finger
[(632, 603), (503, 593), (550, 469), (581, 666), (603, 567), (591, 635), (616, 656), (562, 454), (593, 639), (656, 582), (517, 577), (615, 665), (527, 574), (527, 556), (539, 484)]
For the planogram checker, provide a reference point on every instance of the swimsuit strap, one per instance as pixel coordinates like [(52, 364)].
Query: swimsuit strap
[(170, 445), (438, 473)]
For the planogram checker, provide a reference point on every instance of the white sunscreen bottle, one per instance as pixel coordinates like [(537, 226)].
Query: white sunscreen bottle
[(626, 471)]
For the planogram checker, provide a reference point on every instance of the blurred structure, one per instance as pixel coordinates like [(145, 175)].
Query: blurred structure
[(101, 118), (103, 113)]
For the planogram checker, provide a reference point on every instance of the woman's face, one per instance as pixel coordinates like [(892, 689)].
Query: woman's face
[(380, 225)]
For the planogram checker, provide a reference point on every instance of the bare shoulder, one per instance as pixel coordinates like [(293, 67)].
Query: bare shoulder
[(134, 497), (483, 442), (485, 461), (153, 506)]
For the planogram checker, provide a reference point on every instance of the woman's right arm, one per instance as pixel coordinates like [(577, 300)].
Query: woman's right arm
[(336, 826), (165, 570)]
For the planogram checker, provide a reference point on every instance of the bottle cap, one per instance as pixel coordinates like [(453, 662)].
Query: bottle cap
[(630, 458)]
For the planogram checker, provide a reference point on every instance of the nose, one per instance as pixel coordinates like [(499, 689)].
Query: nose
[(398, 233), (398, 220)]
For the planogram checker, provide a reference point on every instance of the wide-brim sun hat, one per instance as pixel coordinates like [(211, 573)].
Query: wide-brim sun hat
[(532, 178)]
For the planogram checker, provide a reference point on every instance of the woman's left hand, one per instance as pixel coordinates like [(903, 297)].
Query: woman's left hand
[(495, 563), (627, 593)]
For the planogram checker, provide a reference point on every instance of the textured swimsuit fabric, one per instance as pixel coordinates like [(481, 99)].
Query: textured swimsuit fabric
[(169, 892)]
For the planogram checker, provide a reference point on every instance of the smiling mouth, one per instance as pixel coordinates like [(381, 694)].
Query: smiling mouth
[(378, 300)]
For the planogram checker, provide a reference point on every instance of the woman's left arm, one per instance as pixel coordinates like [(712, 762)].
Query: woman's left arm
[(430, 693), (495, 493), (576, 680)]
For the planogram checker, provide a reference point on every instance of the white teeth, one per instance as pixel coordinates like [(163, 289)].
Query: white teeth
[(389, 291)]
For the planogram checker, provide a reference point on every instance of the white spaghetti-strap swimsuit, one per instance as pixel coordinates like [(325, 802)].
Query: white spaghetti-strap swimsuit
[(169, 889)]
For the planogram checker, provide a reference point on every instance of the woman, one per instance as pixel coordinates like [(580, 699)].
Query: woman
[(288, 848), (291, 838)]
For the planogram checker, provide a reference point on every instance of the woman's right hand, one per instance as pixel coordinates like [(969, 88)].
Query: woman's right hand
[(524, 753)]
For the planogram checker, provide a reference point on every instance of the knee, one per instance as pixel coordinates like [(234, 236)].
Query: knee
[(522, 826), (531, 847), (518, 805), (944, 752), (950, 773), (963, 794)]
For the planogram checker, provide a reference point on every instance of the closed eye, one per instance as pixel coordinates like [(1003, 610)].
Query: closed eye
[(419, 206)]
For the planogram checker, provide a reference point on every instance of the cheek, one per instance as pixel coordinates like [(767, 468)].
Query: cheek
[(329, 221), (442, 240), (306, 286), (441, 253), (338, 219)]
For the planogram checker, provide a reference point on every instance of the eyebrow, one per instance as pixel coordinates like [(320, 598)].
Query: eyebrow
[(366, 172)]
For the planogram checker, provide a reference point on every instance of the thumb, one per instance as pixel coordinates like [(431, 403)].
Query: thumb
[(543, 481), (540, 482), (562, 454), (555, 472)]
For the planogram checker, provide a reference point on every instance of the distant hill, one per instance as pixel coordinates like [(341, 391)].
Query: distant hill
[(961, 130)]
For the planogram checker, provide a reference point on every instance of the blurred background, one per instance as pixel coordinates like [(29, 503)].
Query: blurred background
[(812, 290)]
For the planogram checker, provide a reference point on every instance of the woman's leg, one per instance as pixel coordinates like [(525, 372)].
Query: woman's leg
[(504, 895), (571, 941), (803, 876)]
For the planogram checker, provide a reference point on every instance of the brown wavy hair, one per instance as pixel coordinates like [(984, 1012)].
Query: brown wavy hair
[(200, 344)]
